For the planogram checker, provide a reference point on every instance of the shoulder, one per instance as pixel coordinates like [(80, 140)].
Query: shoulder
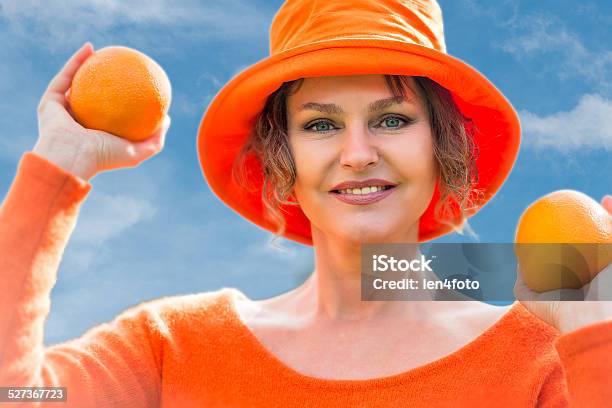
[(532, 339), (170, 315), (530, 328), (190, 303)]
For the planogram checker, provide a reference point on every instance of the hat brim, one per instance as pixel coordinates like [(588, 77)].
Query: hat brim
[(231, 114)]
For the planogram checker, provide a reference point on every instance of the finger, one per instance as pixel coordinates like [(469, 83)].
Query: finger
[(61, 82), (606, 202), (155, 142), (117, 152), (133, 153)]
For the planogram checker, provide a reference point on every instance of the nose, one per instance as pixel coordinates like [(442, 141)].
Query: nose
[(358, 152)]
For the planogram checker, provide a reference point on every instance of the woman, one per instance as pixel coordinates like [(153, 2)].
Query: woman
[(353, 92)]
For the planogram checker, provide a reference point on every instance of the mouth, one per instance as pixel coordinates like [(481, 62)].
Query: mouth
[(363, 195), (363, 190)]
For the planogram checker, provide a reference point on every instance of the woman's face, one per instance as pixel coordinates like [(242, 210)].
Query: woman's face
[(349, 128)]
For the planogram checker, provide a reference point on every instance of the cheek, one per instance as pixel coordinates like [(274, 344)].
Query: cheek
[(309, 163), (413, 157), (305, 173)]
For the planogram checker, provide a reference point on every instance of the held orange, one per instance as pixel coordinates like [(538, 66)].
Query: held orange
[(582, 231), (121, 91)]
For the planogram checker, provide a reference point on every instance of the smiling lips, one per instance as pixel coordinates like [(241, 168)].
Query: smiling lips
[(363, 192)]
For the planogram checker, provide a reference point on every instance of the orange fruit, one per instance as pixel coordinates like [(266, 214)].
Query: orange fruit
[(563, 240), (121, 91)]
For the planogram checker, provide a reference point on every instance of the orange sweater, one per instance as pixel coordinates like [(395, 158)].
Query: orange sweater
[(193, 350)]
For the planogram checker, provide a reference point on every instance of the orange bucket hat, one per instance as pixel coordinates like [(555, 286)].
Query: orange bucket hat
[(311, 38)]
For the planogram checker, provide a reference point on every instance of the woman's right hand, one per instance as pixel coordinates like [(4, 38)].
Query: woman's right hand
[(80, 151)]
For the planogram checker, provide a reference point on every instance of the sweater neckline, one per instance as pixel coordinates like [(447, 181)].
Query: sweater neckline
[(459, 356)]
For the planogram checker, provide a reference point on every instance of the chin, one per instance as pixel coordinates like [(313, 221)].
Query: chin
[(366, 233)]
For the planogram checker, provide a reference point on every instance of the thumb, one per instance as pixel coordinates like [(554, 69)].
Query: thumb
[(116, 152), (154, 143)]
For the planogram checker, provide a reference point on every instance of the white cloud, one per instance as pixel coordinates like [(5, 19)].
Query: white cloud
[(105, 216), (208, 79), (587, 126), (53, 30), (199, 96), (61, 23), (102, 218), (17, 103), (282, 248), (504, 12), (547, 36)]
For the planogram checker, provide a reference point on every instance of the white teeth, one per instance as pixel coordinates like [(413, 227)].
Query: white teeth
[(363, 190)]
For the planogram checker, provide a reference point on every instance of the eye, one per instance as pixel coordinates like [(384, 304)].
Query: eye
[(320, 126), (393, 122)]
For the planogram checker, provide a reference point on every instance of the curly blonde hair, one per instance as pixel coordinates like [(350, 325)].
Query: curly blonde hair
[(453, 143)]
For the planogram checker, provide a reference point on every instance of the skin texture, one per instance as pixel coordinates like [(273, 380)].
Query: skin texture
[(325, 316), (78, 150), (394, 144)]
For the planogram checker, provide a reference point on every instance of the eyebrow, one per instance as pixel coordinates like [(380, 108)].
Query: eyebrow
[(375, 106)]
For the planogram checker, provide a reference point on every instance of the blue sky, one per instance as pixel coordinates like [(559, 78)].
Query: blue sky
[(157, 230)]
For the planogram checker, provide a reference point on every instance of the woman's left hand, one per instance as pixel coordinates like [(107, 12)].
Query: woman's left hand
[(567, 315)]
